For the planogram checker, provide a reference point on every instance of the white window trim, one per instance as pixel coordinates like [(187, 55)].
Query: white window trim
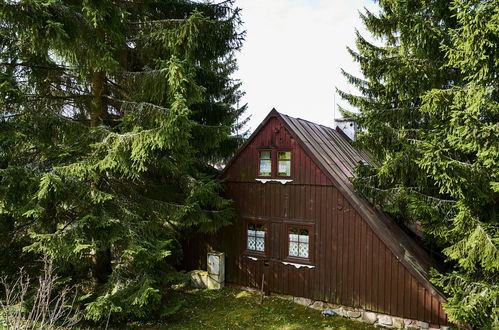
[(297, 265), (283, 181)]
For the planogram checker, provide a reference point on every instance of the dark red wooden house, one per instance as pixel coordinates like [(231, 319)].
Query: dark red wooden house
[(300, 222)]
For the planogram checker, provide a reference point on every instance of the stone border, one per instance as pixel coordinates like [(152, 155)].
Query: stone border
[(357, 314)]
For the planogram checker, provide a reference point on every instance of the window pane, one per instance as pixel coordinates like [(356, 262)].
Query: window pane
[(284, 155), (303, 250), (293, 249), (284, 168), (265, 167), (256, 237), (299, 240), (260, 244), (265, 154), (251, 243)]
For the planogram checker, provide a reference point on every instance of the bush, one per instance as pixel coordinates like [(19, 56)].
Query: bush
[(42, 305)]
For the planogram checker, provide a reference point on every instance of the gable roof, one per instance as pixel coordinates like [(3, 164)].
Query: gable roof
[(333, 153)]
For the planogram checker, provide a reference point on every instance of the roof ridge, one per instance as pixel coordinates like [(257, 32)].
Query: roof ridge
[(308, 121)]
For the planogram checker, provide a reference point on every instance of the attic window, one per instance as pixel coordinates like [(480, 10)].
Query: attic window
[(274, 165), (265, 164), (284, 163)]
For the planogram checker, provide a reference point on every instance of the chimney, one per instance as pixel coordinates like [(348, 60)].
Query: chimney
[(347, 126)]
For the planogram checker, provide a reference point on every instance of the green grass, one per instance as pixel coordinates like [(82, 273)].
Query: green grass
[(235, 309)]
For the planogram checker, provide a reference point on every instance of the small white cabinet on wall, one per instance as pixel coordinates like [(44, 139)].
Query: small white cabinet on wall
[(216, 270)]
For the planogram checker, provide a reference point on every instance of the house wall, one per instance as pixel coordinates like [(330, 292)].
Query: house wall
[(351, 266)]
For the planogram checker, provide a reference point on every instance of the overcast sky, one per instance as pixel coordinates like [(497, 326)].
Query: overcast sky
[(293, 55)]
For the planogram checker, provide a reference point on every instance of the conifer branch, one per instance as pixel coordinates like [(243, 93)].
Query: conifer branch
[(56, 67), (464, 164), (160, 21), (58, 97), (138, 105), (414, 190)]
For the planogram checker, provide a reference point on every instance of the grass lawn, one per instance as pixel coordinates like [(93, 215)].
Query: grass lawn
[(235, 309)]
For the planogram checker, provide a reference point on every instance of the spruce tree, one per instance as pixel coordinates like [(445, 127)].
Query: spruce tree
[(111, 114), (429, 115)]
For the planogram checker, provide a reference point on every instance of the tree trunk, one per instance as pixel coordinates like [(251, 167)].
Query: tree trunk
[(98, 108), (101, 256), (101, 265)]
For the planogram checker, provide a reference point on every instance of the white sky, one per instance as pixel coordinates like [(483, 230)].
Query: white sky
[(293, 53)]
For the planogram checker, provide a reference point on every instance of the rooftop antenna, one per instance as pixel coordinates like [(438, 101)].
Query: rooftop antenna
[(237, 120), (334, 107)]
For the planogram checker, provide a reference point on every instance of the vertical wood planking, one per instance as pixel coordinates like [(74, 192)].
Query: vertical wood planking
[(291, 201), (400, 288), (434, 310), (369, 270), (282, 283), (357, 265), (334, 242), (341, 252), (414, 298), (421, 301), (427, 304), (388, 281), (306, 167), (306, 281), (407, 291), (381, 277), (363, 263), (328, 225), (285, 279), (346, 258), (300, 179), (309, 210), (394, 296), (321, 235), (272, 199), (351, 256)]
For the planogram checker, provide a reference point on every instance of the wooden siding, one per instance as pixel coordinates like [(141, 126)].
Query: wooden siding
[(352, 265)]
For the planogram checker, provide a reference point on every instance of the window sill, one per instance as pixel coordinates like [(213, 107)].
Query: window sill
[(283, 181), (297, 265), (254, 254)]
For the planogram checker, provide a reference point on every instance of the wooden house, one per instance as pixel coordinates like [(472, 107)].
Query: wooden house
[(302, 229)]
